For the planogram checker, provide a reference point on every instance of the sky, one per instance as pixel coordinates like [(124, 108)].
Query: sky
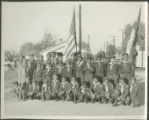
[(27, 21)]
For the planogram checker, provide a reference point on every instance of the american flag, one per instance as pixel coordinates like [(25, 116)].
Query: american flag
[(71, 45)]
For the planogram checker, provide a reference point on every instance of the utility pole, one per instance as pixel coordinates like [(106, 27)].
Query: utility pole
[(122, 30), (80, 30), (107, 44), (89, 42), (104, 47), (113, 36), (43, 42)]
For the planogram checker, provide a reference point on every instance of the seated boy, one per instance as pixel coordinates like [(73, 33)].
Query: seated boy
[(16, 89), (29, 89), (97, 91), (48, 93), (133, 92), (44, 90), (108, 89), (122, 92), (65, 89), (36, 91), (85, 92), (55, 85), (75, 90), (24, 91)]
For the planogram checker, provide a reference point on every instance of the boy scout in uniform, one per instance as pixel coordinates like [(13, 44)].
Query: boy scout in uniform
[(80, 68), (36, 91), (55, 85), (122, 95), (59, 69), (88, 69), (32, 68), (42, 63), (47, 74), (65, 88), (16, 89), (48, 61), (100, 68), (75, 90), (133, 92), (38, 76), (44, 90), (85, 92), (97, 91), (68, 69), (126, 68), (108, 90), (113, 71)]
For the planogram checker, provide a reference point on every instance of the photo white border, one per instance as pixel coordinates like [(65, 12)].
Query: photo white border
[(78, 117)]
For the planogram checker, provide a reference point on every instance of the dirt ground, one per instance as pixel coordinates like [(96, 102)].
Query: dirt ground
[(14, 107)]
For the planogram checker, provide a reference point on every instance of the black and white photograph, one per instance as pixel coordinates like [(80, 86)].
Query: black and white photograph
[(74, 60)]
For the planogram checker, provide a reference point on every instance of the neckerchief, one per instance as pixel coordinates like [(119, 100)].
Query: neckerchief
[(96, 84), (63, 84), (106, 87), (88, 65), (98, 63), (55, 81), (82, 89), (122, 88), (68, 68), (73, 85), (80, 63), (131, 86)]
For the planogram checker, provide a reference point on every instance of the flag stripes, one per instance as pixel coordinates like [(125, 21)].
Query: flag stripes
[(71, 45)]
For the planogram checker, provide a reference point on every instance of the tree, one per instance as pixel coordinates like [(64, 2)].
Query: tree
[(10, 55), (127, 31), (27, 49), (140, 37), (48, 40)]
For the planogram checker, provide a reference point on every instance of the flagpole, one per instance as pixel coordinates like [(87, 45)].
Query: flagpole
[(75, 30), (80, 30)]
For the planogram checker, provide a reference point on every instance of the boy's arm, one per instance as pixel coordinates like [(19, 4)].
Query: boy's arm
[(135, 91), (126, 92)]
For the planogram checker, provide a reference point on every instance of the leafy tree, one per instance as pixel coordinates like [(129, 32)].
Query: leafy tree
[(27, 49), (140, 37), (48, 40), (10, 55)]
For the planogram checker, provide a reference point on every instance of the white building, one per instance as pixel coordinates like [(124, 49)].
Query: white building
[(60, 47), (140, 60)]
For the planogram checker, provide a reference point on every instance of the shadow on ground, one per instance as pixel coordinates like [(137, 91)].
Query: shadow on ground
[(141, 93)]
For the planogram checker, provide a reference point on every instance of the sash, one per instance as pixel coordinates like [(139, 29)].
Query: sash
[(80, 63)]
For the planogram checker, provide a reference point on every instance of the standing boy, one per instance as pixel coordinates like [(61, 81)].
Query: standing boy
[(38, 76)]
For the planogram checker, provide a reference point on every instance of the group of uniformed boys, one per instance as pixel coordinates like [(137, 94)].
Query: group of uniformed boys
[(80, 79)]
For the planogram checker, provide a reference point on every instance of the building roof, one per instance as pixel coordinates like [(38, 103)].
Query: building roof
[(55, 47)]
